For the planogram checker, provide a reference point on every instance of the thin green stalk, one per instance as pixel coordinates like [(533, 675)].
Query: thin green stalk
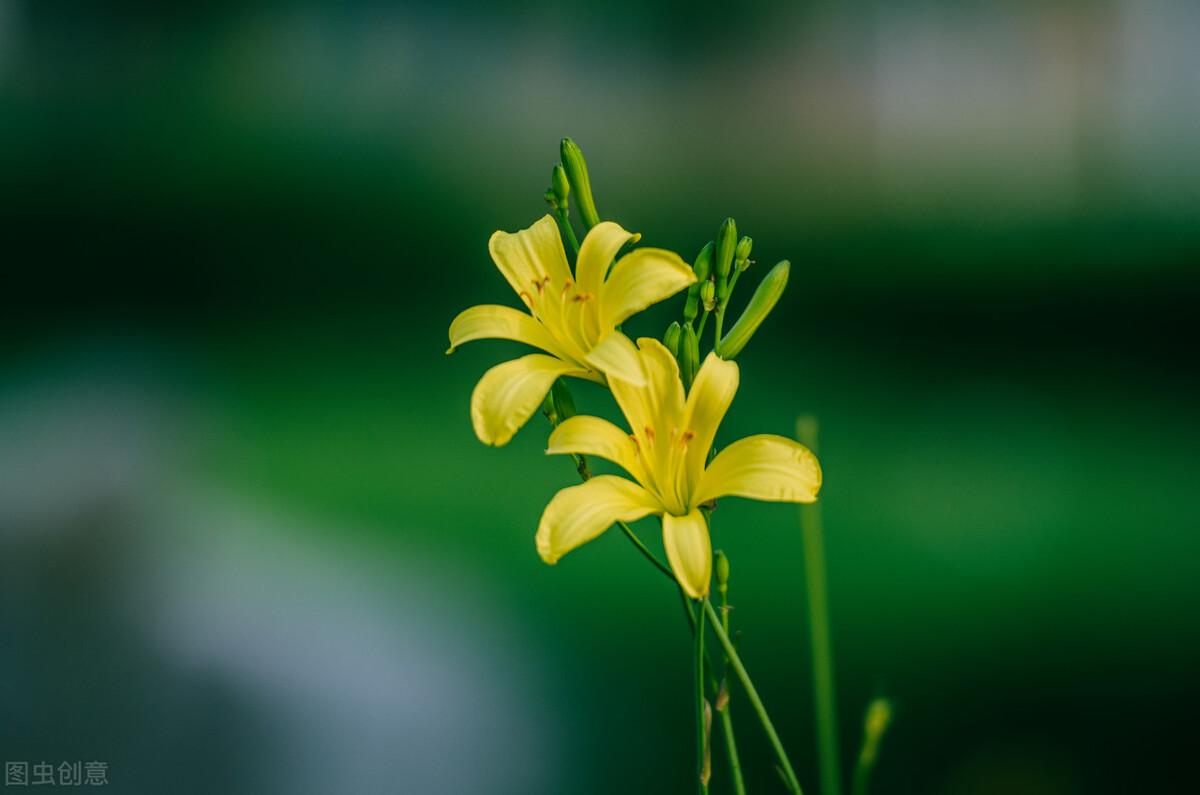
[(702, 763), (703, 320), (564, 223), (789, 775), (813, 534), (735, 764), (645, 550)]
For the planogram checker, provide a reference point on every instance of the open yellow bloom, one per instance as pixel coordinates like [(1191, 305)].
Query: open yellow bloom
[(571, 317), (666, 454)]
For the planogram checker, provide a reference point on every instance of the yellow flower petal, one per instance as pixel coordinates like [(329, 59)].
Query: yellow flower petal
[(763, 467), (578, 514), (490, 321), (528, 257), (616, 356), (596, 253), (593, 436), (641, 278), (509, 393), (707, 402), (689, 551), (654, 412)]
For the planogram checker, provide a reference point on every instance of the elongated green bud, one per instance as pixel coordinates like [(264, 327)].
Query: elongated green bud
[(708, 295), (726, 244), (671, 338), (721, 567), (689, 355), (764, 300), (741, 257), (560, 185), (577, 175), (702, 266), (564, 404)]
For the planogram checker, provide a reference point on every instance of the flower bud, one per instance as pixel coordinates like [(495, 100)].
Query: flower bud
[(761, 304), (671, 338), (560, 185), (741, 256), (577, 175), (708, 295), (726, 243), (550, 198), (702, 266), (689, 355), (879, 715), (564, 404), (721, 567)]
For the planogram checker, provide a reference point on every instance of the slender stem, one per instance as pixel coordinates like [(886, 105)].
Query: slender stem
[(735, 764), (720, 324), (789, 775), (564, 223), (702, 770), (813, 534), (645, 550), (703, 321)]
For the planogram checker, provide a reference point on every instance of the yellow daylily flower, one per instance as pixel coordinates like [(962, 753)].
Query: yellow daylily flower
[(667, 456), (571, 317)]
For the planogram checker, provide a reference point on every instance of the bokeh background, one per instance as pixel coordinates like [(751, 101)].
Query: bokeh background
[(248, 542)]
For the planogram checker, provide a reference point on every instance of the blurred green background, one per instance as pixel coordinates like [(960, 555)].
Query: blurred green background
[(248, 542)]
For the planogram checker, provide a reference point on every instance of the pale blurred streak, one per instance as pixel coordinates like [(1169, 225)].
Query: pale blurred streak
[(345, 668)]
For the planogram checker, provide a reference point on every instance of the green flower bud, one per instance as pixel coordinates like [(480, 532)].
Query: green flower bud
[(761, 304), (702, 266), (708, 294), (689, 355), (550, 198), (671, 338), (726, 243), (722, 570), (742, 255), (560, 185), (577, 174), (564, 404)]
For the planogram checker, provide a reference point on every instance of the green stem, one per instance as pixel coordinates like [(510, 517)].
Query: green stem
[(703, 321), (789, 775), (735, 764), (813, 534), (645, 550), (702, 770), (564, 223)]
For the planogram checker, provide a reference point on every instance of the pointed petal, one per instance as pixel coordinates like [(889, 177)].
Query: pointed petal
[(596, 253), (616, 356), (490, 321), (593, 436), (689, 551), (509, 394), (639, 279), (527, 257), (578, 514), (707, 402), (763, 467)]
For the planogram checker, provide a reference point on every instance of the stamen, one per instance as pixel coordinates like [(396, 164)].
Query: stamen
[(649, 434), (567, 287), (527, 298), (583, 297), (686, 437)]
